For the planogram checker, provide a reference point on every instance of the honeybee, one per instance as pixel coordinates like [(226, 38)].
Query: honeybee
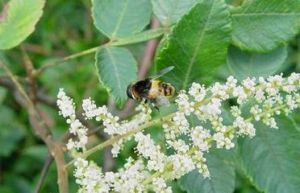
[(152, 90)]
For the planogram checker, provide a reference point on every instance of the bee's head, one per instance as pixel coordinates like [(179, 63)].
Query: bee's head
[(129, 92)]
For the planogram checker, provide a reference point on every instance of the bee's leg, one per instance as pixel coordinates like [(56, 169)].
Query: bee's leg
[(144, 101), (153, 103)]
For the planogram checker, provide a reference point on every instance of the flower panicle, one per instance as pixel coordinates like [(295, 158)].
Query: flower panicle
[(265, 98)]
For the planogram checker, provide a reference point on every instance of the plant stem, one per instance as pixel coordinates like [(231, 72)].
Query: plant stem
[(132, 132), (65, 59), (44, 171), (136, 38), (115, 139)]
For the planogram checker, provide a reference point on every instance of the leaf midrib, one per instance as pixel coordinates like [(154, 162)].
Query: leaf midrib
[(114, 68), (191, 64), (120, 20)]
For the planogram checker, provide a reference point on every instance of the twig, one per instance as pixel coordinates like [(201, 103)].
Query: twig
[(65, 59), (41, 130), (37, 49), (30, 74), (40, 95), (45, 99), (44, 171), (56, 151), (150, 48)]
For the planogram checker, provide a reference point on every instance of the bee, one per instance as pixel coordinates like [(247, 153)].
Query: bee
[(152, 90)]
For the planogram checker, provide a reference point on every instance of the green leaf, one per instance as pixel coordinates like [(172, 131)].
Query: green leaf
[(262, 25), (116, 18), (272, 157), (244, 64), (221, 171), (197, 45), (170, 11), (18, 20), (117, 69)]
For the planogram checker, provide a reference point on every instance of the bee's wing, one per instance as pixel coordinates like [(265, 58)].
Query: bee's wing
[(162, 101), (162, 72)]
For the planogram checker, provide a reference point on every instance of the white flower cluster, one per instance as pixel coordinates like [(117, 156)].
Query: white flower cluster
[(147, 148), (198, 124), (67, 110), (90, 177), (112, 124)]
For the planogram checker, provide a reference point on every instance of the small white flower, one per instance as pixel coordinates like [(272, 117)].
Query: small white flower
[(159, 185), (199, 137), (147, 148), (200, 163), (291, 102), (181, 122), (184, 105), (249, 84), (197, 91), (259, 95), (71, 145), (179, 145), (212, 109), (231, 82), (223, 141), (245, 127), (89, 176), (182, 164), (240, 93), (270, 121), (220, 91), (90, 108), (235, 111), (67, 110), (65, 104), (256, 112)]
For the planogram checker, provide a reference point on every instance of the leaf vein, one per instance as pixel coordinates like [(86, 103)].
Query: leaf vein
[(120, 19), (115, 69), (191, 64)]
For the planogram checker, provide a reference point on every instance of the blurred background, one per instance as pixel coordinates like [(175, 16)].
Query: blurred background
[(65, 28)]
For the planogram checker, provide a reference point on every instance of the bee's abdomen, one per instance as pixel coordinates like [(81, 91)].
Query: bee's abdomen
[(168, 89)]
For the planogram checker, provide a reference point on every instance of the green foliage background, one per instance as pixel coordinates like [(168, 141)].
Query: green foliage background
[(207, 43)]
